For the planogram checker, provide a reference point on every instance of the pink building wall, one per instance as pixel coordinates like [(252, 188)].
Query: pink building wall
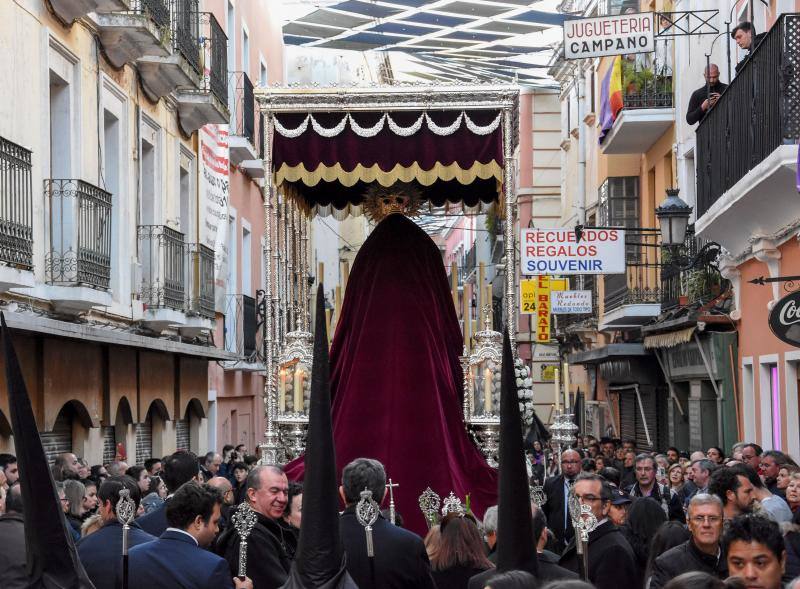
[(240, 409)]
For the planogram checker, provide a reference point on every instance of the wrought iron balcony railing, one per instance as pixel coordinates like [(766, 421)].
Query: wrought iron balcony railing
[(243, 109), (200, 270), (757, 113), (158, 10), (641, 282), (646, 86), (79, 233), (215, 42), (695, 285), (162, 253), (16, 204), (186, 31)]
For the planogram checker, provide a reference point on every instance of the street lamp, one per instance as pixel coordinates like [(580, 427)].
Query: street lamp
[(673, 219)]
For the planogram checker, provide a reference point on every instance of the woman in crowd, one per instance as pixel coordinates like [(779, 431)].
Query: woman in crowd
[(538, 462), (293, 513), (675, 478), (139, 474), (225, 467), (74, 493), (793, 492), (155, 495), (645, 517), (599, 463), (461, 553), (432, 541), (785, 475), (716, 455), (669, 535)]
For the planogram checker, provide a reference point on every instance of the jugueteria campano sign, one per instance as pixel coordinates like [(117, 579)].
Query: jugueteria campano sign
[(784, 319), (620, 34)]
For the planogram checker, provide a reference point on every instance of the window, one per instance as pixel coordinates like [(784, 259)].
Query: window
[(262, 75), (775, 397), (619, 202), (245, 51), (246, 261)]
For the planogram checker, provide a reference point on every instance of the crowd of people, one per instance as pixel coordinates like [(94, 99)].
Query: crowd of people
[(663, 521)]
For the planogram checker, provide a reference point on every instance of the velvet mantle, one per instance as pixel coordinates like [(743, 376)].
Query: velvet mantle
[(396, 375)]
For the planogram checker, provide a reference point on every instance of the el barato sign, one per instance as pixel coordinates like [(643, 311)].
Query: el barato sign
[(609, 35), (556, 251)]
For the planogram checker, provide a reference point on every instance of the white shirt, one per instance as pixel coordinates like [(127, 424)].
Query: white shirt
[(184, 532)]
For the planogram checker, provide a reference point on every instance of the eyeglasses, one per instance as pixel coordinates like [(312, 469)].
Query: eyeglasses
[(588, 498), (701, 519)]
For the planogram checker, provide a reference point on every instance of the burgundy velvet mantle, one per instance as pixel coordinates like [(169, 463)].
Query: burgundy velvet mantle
[(396, 376)]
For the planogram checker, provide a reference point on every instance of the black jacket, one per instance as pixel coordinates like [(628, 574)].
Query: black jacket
[(756, 40), (549, 570), (612, 564), (268, 549), (456, 577), (792, 540), (555, 510), (695, 112), (671, 503), (13, 558), (400, 559), (685, 558)]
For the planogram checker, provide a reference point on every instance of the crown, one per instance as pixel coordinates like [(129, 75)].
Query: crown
[(452, 504), (401, 197)]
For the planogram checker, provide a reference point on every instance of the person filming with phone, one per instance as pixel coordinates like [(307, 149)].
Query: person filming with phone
[(703, 99)]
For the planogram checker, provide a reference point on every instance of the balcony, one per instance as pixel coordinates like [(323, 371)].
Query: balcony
[(647, 112), (70, 10), (746, 146), (200, 281), (209, 103), (693, 287), (16, 206), (242, 335), (183, 66), (632, 299), (162, 255), (78, 261), (246, 130), (141, 31)]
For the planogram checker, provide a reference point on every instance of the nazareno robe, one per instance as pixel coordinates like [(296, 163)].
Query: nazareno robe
[(396, 378)]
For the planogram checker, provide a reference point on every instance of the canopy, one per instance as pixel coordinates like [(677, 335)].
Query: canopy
[(328, 145)]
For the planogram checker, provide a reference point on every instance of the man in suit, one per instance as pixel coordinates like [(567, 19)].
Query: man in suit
[(101, 552), (179, 468), (269, 544), (612, 563), (177, 557), (400, 559), (557, 490)]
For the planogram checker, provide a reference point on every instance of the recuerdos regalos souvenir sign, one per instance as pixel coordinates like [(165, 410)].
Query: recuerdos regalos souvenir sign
[(620, 34), (784, 319), (558, 251)]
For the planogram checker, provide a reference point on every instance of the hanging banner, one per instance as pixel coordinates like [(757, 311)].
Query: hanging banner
[(543, 309), (214, 201), (569, 302), (620, 34), (557, 251)]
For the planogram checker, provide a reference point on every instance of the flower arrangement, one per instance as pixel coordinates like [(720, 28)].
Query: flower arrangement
[(524, 391)]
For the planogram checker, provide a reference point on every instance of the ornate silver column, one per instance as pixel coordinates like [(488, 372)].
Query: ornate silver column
[(509, 180)]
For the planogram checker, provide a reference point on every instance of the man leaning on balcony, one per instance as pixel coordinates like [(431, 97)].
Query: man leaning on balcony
[(703, 99), (745, 36)]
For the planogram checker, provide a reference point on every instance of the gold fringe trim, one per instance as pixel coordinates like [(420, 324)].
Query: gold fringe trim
[(374, 173)]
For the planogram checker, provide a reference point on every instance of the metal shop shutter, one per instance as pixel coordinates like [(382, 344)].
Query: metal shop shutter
[(59, 440), (627, 414), (144, 441), (182, 434), (109, 443)]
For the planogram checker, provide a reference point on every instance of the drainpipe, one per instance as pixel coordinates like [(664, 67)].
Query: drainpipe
[(583, 129)]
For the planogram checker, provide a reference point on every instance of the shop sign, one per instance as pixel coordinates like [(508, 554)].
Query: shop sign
[(543, 309), (528, 291), (557, 251), (620, 34), (568, 302), (549, 372), (784, 319)]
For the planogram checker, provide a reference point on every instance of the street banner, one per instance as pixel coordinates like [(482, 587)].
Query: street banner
[(620, 34), (557, 251), (214, 200), (571, 302), (543, 309)]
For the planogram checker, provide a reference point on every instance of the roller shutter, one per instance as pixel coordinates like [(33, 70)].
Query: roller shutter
[(627, 414), (59, 440), (144, 441), (109, 443), (182, 434)]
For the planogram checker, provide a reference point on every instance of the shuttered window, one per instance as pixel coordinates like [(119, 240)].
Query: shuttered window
[(144, 441), (109, 443), (182, 434), (59, 440)]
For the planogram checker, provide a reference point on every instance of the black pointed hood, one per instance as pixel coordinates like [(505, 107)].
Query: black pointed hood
[(52, 559), (319, 561), (516, 549)]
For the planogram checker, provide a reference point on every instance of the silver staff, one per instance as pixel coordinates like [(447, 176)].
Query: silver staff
[(367, 512), (392, 514), (429, 503), (126, 511), (244, 520)]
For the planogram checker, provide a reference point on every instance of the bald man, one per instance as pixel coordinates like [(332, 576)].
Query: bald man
[(225, 489), (703, 99)]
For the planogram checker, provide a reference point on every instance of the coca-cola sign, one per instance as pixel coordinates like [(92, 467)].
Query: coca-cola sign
[(784, 320)]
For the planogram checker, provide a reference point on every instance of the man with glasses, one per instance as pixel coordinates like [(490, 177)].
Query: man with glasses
[(612, 563), (557, 489), (646, 486), (702, 551)]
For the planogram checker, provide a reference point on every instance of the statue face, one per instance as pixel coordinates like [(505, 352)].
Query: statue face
[(396, 203)]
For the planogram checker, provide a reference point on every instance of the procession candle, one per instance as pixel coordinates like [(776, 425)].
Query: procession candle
[(489, 302), (466, 315), (487, 391), (321, 273), (481, 277), (454, 284), (298, 390), (558, 390), (328, 324), (282, 392), (566, 388), (345, 274)]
